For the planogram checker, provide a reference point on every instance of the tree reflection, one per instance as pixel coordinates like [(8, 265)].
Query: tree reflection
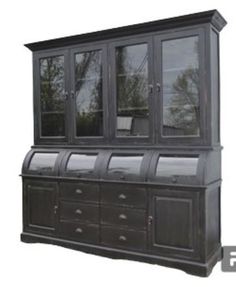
[(132, 93), (183, 114), (88, 85), (131, 87), (52, 96), (52, 83)]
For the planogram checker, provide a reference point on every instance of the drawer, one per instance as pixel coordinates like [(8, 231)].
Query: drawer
[(133, 218), (79, 231), (126, 195), (123, 238), (80, 191), (79, 211)]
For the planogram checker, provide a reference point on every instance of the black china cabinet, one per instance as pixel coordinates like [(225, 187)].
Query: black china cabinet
[(126, 161)]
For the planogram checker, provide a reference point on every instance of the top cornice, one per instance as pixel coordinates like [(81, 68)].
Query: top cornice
[(212, 16)]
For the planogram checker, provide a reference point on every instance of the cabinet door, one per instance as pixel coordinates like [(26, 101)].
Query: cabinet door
[(131, 90), (174, 222), (50, 96), (180, 88), (40, 206), (89, 78)]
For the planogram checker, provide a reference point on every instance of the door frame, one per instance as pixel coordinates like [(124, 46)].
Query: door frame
[(38, 138), (193, 196), (87, 139)]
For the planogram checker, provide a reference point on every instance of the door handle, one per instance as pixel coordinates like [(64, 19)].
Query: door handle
[(158, 86), (150, 219), (55, 209)]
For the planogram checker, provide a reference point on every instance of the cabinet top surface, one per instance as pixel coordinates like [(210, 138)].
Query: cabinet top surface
[(212, 16)]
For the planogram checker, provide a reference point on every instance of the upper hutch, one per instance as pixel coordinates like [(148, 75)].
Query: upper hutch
[(126, 155)]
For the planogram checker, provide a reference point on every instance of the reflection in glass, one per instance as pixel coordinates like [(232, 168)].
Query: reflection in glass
[(132, 90), (52, 96), (43, 161), (170, 166), (81, 163), (88, 88), (129, 164), (180, 68)]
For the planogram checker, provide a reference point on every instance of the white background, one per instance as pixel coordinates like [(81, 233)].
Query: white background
[(28, 21)]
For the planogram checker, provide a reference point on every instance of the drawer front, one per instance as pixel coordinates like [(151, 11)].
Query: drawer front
[(78, 211), (132, 218), (79, 231), (124, 195), (80, 191), (122, 238)]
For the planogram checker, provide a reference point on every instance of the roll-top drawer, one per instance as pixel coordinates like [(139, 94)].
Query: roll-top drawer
[(80, 191), (126, 195), (131, 218), (79, 231), (79, 211), (123, 238)]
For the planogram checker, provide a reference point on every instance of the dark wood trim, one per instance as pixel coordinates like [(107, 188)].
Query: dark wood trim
[(212, 16)]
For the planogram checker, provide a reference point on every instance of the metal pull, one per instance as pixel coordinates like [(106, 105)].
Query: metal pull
[(65, 96), (150, 219), (150, 88), (158, 86), (55, 209), (122, 238), (78, 191), (79, 230), (122, 196), (78, 211), (122, 216), (72, 94)]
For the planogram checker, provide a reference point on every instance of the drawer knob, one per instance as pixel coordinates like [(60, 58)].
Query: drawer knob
[(122, 216), (122, 238), (78, 191), (78, 211), (122, 196), (79, 230)]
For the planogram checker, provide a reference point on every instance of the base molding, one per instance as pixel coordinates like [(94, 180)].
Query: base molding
[(190, 267)]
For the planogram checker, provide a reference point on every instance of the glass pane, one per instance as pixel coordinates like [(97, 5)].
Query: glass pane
[(43, 161), (132, 90), (125, 164), (88, 88), (180, 68), (170, 166), (81, 162), (52, 102)]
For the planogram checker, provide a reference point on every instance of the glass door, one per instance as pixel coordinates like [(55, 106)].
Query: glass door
[(51, 96), (179, 61), (88, 83), (131, 90)]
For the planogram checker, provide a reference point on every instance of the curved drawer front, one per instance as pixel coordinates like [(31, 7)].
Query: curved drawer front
[(79, 211), (131, 218), (126, 195), (80, 191)]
